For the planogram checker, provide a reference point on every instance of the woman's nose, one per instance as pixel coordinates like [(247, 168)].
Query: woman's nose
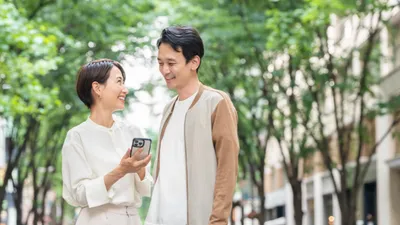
[(125, 90)]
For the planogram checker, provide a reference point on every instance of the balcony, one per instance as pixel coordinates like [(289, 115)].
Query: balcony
[(390, 84), (394, 163), (276, 198)]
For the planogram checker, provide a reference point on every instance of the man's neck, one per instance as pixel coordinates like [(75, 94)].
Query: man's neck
[(188, 90)]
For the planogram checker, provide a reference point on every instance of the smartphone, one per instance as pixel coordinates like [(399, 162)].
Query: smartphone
[(144, 143)]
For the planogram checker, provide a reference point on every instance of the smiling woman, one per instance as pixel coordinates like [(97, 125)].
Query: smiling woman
[(94, 77), (99, 176)]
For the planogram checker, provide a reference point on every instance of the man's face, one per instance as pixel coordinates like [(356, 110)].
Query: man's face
[(172, 65)]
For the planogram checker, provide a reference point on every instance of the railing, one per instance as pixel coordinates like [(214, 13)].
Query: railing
[(390, 84)]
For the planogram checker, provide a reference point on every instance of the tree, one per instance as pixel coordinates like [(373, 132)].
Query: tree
[(338, 100), (234, 34), (23, 101), (229, 64), (237, 61), (289, 99), (38, 100)]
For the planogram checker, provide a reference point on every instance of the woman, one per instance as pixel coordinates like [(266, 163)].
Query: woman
[(99, 176)]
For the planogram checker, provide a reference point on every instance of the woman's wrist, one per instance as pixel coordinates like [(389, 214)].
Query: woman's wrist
[(113, 177), (119, 171), (142, 173)]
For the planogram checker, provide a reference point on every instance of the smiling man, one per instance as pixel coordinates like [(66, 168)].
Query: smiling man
[(197, 155)]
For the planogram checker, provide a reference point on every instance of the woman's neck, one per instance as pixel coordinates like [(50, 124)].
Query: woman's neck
[(101, 117)]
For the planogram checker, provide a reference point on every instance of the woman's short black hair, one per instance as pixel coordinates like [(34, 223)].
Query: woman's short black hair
[(97, 70), (185, 39)]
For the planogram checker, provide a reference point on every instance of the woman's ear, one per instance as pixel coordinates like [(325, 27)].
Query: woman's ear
[(96, 87), (195, 62)]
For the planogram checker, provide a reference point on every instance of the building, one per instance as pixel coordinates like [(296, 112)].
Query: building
[(379, 197)]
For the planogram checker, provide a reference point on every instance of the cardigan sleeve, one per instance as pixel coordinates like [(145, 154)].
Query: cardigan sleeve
[(226, 143)]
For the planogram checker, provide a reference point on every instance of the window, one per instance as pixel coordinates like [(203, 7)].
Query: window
[(310, 211), (328, 209)]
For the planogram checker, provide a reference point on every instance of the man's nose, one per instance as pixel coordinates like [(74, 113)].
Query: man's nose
[(165, 69)]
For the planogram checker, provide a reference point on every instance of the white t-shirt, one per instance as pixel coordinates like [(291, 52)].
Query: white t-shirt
[(168, 205)]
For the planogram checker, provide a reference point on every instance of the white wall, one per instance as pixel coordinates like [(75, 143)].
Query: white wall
[(2, 143)]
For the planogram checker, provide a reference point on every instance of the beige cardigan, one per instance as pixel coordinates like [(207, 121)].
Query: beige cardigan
[(211, 149)]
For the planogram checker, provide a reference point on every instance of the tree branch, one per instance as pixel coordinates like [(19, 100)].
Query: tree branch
[(257, 51), (361, 93), (349, 137), (373, 149), (42, 4), (339, 120), (292, 116), (323, 144)]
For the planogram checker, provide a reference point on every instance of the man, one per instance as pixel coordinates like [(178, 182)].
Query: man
[(197, 155)]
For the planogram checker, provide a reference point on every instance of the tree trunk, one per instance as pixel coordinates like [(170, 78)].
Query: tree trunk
[(3, 189), (43, 204), (232, 219), (242, 212), (62, 213), (35, 206), (18, 202), (349, 211), (12, 162), (348, 218), (261, 216), (6, 178), (297, 202), (18, 209), (233, 216)]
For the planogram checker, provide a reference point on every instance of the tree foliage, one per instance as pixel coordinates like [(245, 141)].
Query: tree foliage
[(42, 47), (290, 77)]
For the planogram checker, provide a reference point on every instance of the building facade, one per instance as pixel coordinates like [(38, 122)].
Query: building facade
[(379, 197)]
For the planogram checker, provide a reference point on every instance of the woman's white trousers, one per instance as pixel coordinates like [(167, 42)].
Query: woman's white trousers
[(109, 215)]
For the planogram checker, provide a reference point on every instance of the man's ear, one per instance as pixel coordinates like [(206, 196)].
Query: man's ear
[(195, 62)]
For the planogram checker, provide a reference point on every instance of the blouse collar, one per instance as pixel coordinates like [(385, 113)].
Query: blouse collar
[(101, 127)]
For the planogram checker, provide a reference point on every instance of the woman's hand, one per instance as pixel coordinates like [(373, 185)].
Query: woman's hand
[(127, 165), (133, 164)]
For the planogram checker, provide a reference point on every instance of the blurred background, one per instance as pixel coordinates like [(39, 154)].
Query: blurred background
[(316, 85)]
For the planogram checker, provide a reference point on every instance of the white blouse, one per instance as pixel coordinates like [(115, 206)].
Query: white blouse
[(90, 151)]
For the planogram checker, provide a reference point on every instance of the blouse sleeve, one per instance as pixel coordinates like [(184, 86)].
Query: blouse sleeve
[(143, 187), (81, 187)]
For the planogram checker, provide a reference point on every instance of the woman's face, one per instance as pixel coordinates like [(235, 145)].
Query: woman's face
[(113, 91)]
